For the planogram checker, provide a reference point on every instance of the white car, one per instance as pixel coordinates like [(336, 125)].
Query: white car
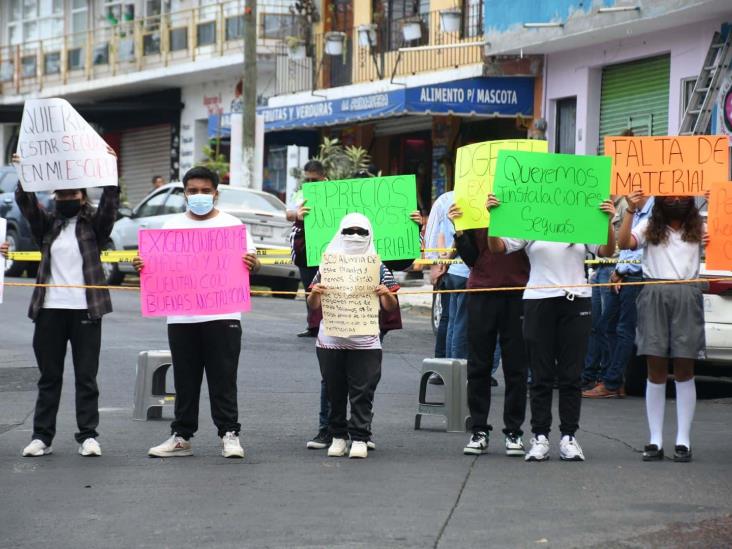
[(262, 213)]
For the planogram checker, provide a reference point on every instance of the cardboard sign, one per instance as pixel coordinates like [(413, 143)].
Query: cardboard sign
[(386, 201), (719, 227), (350, 306), (667, 165), (3, 229), (553, 197), (475, 169), (58, 149), (194, 271)]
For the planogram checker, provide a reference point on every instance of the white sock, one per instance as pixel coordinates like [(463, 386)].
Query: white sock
[(685, 406), (655, 407)]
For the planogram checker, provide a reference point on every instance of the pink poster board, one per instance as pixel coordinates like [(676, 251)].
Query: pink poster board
[(193, 271)]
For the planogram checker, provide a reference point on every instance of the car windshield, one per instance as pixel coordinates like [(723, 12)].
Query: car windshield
[(241, 199)]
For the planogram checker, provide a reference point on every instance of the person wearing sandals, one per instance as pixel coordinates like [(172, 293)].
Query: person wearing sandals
[(670, 316)]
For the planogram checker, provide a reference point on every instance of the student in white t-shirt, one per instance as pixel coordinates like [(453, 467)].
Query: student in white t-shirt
[(204, 343), (556, 328), (670, 316)]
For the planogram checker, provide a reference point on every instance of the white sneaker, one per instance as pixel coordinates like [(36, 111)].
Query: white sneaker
[(232, 448), (570, 450), (478, 444), (539, 449), (359, 449), (37, 448), (338, 447), (514, 445), (175, 446), (90, 448)]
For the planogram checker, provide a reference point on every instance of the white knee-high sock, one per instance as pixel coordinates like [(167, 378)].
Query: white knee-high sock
[(655, 407), (685, 406)]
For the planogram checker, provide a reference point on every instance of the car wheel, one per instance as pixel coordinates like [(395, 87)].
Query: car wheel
[(112, 274), (286, 285), (436, 312), (636, 373), (13, 268)]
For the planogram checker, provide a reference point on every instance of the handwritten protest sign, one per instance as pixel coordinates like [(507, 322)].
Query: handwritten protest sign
[(193, 271), (58, 149), (667, 165), (475, 169), (553, 197), (386, 201), (719, 226), (3, 229), (350, 306)]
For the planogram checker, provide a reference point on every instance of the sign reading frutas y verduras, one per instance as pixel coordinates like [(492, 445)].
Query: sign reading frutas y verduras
[(193, 271), (667, 165), (553, 197), (58, 149), (386, 201), (350, 305), (719, 226), (475, 170)]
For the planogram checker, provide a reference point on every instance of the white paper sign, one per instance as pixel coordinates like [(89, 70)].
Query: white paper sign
[(58, 149), (3, 227)]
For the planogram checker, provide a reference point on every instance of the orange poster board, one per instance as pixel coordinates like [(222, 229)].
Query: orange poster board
[(667, 165), (719, 227)]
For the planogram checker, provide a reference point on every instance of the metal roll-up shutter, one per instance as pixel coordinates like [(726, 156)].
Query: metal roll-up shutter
[(145, 153), (635, 96)]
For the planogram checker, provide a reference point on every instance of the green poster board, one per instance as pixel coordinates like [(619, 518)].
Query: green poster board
[(553, 197), (386, 201)]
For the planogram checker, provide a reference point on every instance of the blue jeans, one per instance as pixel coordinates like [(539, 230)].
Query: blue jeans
[(441, 339), (598, 349), (621, 332), (457, 327)]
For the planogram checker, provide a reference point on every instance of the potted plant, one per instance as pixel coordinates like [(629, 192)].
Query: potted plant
[(412, 29), (295, 48), (334, 41), (450, 20), (366, 36)]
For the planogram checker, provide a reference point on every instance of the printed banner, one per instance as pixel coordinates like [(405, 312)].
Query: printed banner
[(667, 165), (475, 169), (350, 306), (194, 271), (386, 201), (58, 149), (3, 232), (719, 226), (553, 197)]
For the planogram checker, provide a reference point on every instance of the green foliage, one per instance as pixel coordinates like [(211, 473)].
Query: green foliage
[(215, 161), (342, 162)]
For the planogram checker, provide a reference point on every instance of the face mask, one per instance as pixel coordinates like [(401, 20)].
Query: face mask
[(355, 244), (68, 208), (677, 210), (200, 204)]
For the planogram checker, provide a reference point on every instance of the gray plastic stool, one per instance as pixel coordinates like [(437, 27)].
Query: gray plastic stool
[(454, 372), (150, 395)]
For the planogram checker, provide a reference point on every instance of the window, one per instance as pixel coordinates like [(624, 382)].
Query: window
[(564, 138), (35, 20), (176, 203), (687, 87), (472, 14), (79, 22), (240, 199), (153, 205)]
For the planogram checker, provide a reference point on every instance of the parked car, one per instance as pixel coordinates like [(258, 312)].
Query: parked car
[(262, 213)]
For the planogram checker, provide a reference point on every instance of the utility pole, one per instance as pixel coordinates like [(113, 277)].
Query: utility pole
[(249, 93)]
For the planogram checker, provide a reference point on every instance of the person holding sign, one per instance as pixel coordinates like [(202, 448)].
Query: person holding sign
[(204, 343), (71, 238), (557, 323), (670, 316), (351, 365)]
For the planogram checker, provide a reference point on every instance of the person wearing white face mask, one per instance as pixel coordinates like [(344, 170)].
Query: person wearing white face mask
[(351, 366)]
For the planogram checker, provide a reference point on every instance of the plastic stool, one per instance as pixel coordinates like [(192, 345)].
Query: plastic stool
[(454, 372), (150, 395)]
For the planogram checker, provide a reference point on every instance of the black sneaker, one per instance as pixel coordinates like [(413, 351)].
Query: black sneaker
[(651, 452), (320, 441), (478, 444), (682, 454), (308, 332)]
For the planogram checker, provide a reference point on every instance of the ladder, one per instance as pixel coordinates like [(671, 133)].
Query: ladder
[(699, 110)]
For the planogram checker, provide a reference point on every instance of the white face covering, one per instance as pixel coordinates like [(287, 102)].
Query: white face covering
[(352, 244)]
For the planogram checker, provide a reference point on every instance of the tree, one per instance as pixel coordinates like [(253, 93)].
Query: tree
[(342, 162)]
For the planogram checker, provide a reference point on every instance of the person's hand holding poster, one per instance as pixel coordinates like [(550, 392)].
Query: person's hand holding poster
[(350, 304), (58, 149), (719, 227)]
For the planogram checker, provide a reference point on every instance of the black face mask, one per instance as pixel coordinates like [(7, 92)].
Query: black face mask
[(677, 210), (68, 208)]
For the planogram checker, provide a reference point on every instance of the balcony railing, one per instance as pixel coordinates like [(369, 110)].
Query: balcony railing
[(144, 43)]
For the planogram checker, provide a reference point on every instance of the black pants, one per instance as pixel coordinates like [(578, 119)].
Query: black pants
[(214, 347), (350, 375), (54, 329), (307, 274), (492, 316), (556, 331)]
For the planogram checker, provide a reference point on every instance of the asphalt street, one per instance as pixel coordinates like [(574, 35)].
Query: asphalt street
[(415, 490)]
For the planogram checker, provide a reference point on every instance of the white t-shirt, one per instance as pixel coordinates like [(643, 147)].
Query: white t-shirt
[(671, 260), (182, 221), (554, 264), (67, 267)]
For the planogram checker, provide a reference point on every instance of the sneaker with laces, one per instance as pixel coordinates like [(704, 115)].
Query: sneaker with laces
[(514, 445), (320, 441), (37, 448), (539, 450), (338, 448), (570, 450), (231, 446), (371, 445), (175, 446), (477, 445), (359, 449), (90, 448)]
